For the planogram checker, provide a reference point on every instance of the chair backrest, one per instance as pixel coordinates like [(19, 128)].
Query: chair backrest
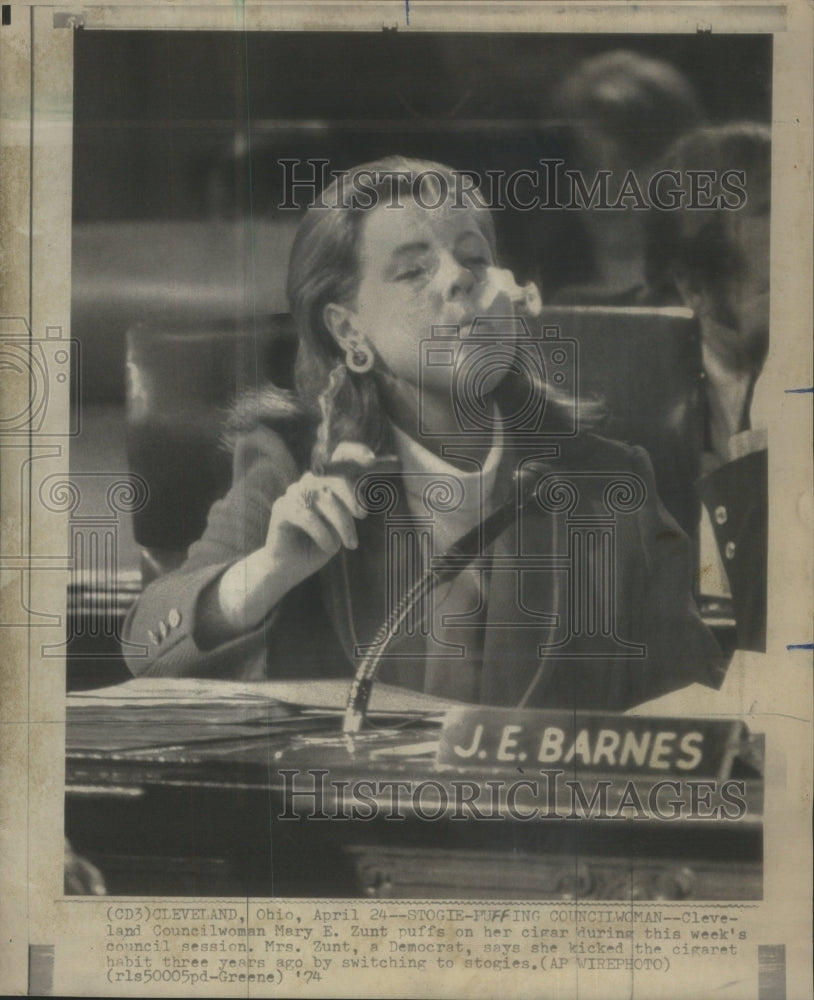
[(169, 273), (180, 385), (644, 364)]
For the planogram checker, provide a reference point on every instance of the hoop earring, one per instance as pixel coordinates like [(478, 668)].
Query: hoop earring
[(359, 359)]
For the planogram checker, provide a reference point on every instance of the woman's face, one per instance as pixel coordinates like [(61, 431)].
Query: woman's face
[(734, 312), (749, 292), (421, 268)]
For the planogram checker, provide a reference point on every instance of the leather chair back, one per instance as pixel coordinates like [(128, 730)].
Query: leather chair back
[(180, 385), (644, 365)]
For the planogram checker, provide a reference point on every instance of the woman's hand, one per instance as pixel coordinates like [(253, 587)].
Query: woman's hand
[(309, 524), (312, 520), (524, 299)]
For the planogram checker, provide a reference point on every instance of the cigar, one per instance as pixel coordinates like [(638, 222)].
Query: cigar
[(352, 470)]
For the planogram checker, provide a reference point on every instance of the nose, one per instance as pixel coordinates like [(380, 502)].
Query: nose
[(457, 280)]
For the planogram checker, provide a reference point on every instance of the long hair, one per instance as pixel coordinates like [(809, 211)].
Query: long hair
[(329, 403), (696, 244)]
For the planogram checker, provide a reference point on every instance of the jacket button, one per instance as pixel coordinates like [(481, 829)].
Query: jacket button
[(729, 550), (174, 618), (720, 515), (163, 630)]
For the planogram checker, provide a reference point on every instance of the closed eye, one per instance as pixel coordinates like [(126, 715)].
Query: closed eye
[(410, 274)]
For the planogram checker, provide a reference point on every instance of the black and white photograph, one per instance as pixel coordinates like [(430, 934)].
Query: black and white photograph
[(409, 459)]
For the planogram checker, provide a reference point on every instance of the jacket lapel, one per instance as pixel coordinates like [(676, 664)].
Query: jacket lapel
[(520, 611), (522, 601), (360, 587)]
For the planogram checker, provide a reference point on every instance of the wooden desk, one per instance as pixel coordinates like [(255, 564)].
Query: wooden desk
[(227, 813)]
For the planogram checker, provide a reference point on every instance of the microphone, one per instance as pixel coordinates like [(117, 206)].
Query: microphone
[(457, 558)]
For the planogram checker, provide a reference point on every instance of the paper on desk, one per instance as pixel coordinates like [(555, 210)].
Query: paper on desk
[(326, 695)]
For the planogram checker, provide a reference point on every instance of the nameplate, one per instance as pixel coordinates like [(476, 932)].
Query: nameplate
[(588, 742)]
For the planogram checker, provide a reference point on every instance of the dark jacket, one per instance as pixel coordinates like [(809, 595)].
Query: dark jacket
[(736, 497), (548, 636)]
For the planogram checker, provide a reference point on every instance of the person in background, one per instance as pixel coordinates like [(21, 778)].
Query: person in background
[(716, 261), (620, 110)]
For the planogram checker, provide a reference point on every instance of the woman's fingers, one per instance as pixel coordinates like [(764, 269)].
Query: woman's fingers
[(342, 489), (501, 282), (324, 507), (313, 524), (338, 516), (310, 488)]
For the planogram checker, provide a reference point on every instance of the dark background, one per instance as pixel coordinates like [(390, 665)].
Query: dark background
[(177, 137), (163, 121)]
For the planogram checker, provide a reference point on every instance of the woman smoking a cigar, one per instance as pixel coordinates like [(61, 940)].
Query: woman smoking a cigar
[(294, 573)]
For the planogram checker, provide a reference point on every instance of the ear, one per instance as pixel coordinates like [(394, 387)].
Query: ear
[(339, 320)]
